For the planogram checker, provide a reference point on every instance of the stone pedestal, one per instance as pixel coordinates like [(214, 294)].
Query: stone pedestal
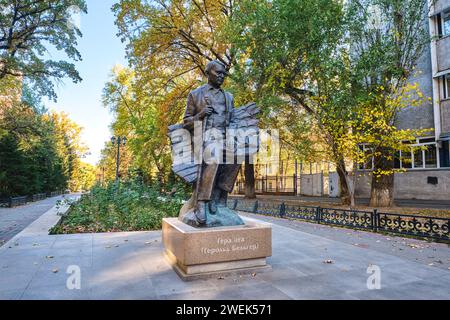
[(210, 252)]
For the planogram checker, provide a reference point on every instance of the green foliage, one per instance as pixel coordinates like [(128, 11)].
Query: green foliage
[(343, 63), (27, 28), (40, 152), (168, 45), (133, 207), (322, 72), (286, 50)]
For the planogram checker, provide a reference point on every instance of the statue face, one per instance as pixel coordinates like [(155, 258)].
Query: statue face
[(216, 75)]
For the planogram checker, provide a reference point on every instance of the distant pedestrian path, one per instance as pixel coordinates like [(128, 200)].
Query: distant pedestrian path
[(14, 220)]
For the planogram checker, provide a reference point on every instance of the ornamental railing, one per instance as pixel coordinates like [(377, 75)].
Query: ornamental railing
[(12, 202), (403, 224)]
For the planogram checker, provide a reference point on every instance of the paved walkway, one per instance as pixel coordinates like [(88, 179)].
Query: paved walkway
[(309, 262), (423, 204), (14, 220)]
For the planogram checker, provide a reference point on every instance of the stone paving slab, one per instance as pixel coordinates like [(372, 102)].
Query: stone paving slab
[(14, 220), (131, 265)]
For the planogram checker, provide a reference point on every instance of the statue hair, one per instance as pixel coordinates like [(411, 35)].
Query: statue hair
[(211, 64)]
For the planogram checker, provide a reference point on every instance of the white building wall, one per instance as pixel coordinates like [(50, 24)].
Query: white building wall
[(414, 184)]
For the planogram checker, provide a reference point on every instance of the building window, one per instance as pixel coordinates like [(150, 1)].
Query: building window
[(444, 154), (423, 154), (430, 156), (418, 159), (446, 23), (443, 24), (426, 157), (369, 161), (406, 158), (397, 159)]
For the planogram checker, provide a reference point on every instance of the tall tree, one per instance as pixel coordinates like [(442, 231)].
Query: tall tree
[(69, 146), (142, 119), (38, 152), (387, 38), (168, 46), (293, 51), (346, 74)]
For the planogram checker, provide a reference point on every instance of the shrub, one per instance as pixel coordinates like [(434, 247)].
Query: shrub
[(131, 207)]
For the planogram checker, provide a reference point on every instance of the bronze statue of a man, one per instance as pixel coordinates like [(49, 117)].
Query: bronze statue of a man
[(213, 108)]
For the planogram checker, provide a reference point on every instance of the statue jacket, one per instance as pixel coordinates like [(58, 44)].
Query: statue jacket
[(196, 103)]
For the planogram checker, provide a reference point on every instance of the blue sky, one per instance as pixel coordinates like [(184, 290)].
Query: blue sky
[(101, 49)]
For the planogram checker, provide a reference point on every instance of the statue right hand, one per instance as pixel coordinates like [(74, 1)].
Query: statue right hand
[(206, 112)]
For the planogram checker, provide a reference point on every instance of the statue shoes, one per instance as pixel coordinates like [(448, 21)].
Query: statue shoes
[(213, 206), (200, 213)]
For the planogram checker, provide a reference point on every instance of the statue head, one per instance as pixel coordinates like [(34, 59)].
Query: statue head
[(216, 72)]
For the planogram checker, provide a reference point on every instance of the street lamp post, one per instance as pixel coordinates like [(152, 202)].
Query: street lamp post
[(119, 141)]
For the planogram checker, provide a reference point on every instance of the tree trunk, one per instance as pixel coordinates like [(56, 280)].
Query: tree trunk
[(345, 192), (249, 181), (351, 184), (382, 190)]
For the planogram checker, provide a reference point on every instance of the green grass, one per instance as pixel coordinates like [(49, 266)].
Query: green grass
[(134, 207)]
